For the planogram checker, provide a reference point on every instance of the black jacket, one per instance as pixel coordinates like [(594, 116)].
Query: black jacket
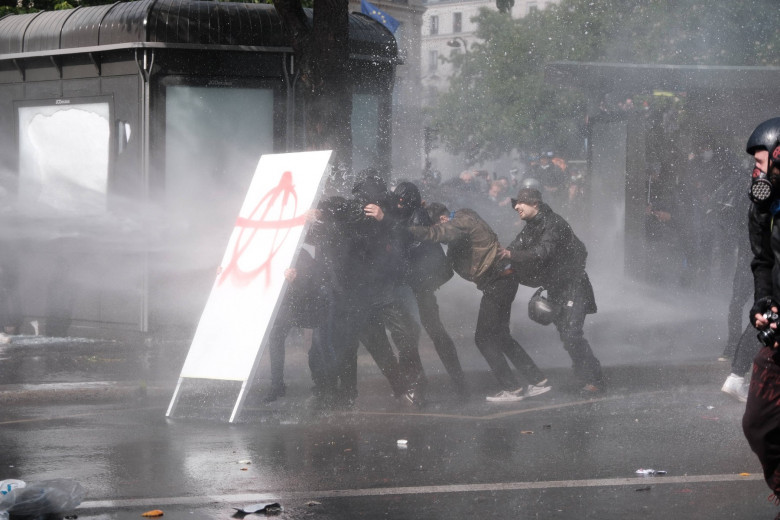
[(766, 258), (363, 256), (304, 300), (429, 267), (547, 253)]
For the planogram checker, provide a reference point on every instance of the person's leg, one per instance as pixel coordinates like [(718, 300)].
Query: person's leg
[(405, 332), (323, 353), (494, 340), (505, 291), (747, 348), (374, 338), (488, 320), (761, 421), (276, 339), (442, 342), (570, 322), (741, 292), (350, 326)]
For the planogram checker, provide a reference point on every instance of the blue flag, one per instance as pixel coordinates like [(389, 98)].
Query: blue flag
[(379, 15)]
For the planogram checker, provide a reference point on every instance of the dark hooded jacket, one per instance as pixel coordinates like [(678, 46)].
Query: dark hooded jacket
[(429, 267), (362, 255), (547, 253)]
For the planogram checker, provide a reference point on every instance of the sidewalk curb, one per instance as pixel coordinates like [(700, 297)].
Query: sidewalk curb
[(80, 392)]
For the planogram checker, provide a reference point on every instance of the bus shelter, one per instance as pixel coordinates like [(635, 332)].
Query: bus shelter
[(667, 139), (129, 135)]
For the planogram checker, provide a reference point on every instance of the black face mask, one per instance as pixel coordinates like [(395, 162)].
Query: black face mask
[(762, 188)]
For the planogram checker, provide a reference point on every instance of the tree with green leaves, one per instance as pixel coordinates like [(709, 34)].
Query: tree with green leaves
[(498, 100)]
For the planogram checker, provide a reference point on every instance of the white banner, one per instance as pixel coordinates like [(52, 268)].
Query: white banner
[(250, 280)]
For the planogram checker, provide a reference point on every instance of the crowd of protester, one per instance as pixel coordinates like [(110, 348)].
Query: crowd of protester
[(371, 277), (378, 261)]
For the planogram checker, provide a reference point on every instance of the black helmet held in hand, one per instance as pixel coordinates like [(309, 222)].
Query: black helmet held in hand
[(540, 309), (407, 197)]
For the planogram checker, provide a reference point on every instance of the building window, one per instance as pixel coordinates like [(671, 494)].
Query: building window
[(433, 60), (457, 22), (532, 7), (434, 25), (64, 155)]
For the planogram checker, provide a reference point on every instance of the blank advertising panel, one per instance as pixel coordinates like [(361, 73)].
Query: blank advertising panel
[(250, 279)]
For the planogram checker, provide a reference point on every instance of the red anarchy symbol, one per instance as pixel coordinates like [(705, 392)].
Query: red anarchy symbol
[(284, 189)]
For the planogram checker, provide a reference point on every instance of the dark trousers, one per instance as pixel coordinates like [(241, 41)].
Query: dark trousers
[(371, 322), (325, 352), (353, 318), (407, 369), (405, 331), (747, 348), (276, 339), (761, 422), (494, 340), (741, 293), (569, 322), (351, 312), (293, 312), (428, 308)]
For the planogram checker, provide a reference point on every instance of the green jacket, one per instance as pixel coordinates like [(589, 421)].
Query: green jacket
[(472, 246)]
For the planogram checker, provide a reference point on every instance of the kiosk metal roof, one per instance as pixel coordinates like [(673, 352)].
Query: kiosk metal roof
[(174, 23)]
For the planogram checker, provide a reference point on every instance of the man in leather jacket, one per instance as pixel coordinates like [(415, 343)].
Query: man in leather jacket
[(761, 422), (474, 252), (547, 253)]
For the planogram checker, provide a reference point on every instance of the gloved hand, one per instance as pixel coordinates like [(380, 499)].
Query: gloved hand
[(761, 306)]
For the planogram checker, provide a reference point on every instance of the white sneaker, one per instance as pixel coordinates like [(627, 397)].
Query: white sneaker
[(506, 396), (736, 387), (538, 389)]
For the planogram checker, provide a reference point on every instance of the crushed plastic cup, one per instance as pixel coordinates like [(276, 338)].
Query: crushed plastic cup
[(265, 507), (10, 484), (650, 472)]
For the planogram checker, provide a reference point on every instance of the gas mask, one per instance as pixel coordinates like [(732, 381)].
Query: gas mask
[(763, 188)]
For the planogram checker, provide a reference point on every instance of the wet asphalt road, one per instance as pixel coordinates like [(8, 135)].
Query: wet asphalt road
[(553, 456), (95, 412)]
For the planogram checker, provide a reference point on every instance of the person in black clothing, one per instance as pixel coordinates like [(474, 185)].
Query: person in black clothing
[(427, 271), (761, 421), (302, 306), (547, 253), (365, 264), (394, 314)]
